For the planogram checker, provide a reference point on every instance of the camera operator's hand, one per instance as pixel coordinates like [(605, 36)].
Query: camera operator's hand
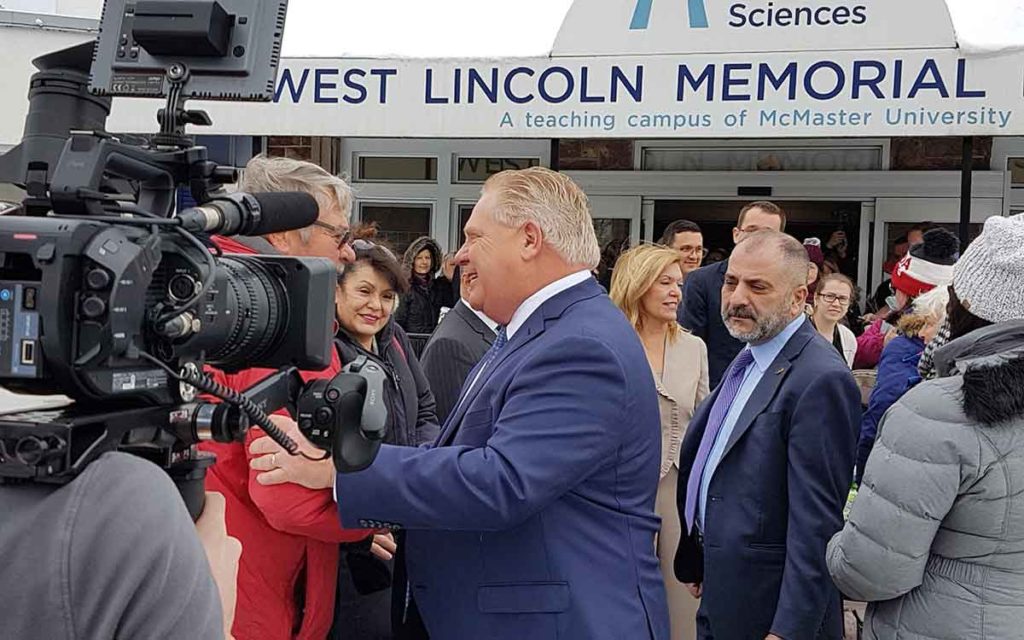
[(222, 552), (279, 467)]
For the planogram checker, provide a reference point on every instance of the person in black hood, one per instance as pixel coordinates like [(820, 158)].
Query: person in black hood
[(368, 292), (420, 308)]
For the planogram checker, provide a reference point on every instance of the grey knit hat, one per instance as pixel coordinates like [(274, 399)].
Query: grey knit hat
[(989, 278)]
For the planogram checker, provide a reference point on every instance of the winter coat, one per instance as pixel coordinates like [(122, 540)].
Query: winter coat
[(935, 539), (420, 308), (412, 420), (289, 534), (897, 374), (870, 345)]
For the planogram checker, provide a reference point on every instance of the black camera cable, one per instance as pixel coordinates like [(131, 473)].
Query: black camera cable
[(206, 384)]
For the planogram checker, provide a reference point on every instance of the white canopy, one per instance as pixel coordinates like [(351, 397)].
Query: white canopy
[(414, 29)]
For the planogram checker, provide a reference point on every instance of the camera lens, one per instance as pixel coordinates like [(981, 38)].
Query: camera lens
[(243, 318), (258, 303)]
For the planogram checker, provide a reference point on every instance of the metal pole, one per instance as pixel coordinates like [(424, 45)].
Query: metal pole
[(966, 179)]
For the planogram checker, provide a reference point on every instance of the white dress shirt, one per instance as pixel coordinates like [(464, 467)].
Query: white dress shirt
[(534, 302), (484, 318)]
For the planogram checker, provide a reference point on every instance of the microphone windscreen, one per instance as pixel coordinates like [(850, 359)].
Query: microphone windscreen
[(284, 211)]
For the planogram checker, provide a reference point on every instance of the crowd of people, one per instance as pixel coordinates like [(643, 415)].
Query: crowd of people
[(668, 457)]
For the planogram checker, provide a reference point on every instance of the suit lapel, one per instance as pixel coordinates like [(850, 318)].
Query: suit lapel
[(474, 323), (534, 326), (769, 385)]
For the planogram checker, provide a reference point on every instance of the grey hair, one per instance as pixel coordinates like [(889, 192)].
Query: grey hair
[(932, 304), (264, 173), (792, 254), (555, 203)]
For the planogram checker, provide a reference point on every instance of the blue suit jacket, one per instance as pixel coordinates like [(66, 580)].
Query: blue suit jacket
[(701, 313), (776, 498), (533, 516)]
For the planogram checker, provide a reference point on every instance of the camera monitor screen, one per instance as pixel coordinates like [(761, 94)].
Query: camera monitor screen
[(229, 49)]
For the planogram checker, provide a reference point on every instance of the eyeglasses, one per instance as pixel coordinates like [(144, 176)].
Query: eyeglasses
[(687, 250), (831, 298), (341, 235)]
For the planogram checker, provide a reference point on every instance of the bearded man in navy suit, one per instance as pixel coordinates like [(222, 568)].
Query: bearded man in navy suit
[(767, 461)]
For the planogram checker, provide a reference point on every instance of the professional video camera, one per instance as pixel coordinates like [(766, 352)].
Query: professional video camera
[(109, 297)]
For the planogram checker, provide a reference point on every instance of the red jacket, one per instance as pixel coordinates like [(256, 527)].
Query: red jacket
[(288, 533)]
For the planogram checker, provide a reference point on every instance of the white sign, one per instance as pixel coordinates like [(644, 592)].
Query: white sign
[(847, 93), (600, 27)]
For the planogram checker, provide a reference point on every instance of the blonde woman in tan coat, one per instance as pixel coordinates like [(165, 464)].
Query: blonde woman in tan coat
[(646, 286)]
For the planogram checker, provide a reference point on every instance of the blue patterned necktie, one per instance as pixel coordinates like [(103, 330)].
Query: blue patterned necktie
[(730, 387), (499, 343)]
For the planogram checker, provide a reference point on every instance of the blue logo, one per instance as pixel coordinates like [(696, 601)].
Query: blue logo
[(642, 14), (5, 295)]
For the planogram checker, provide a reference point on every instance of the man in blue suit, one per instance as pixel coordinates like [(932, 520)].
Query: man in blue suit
[(702, 293), (532, 516), (767, 461)]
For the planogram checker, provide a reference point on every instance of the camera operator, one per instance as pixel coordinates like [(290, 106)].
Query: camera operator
[(289, 534), (114, 554)]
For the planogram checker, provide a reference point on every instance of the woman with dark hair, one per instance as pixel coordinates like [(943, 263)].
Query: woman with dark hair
[(935, 539), (368, 291), (421, 304)]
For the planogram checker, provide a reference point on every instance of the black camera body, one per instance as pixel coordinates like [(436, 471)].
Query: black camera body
[(110, 296), (80, 300)]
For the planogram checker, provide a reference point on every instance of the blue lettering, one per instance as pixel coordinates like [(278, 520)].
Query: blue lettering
[(430, 90), (584, 81), (897, 79), (286, 79), (930, 68), (570, 84), (859, 81), (489, 90), (319, 84), (736, 11), (685, 77), (809, 77), (458, 85), (728, 82), (526, 71), (765, 76), (961, 82), (358, 87), (635, 89), (383, 74)]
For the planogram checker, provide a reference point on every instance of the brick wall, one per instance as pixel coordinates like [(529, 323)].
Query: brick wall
[(595, 155), (295, 147), (937, 154)]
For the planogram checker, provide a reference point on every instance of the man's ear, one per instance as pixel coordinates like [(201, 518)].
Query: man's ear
[(800, 297), (533, 240), (281, 241)]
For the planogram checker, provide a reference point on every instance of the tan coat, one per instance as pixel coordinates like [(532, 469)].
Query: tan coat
[(683, 386)]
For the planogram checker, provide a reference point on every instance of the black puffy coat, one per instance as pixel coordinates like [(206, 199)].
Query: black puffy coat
[(419, 310)]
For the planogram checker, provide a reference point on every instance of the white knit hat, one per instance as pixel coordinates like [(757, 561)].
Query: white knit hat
[(989, 278)]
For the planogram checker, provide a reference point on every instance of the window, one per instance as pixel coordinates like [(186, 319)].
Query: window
[(398, 224), (396, 169), (477, 170), (465, 210), (762, 159)]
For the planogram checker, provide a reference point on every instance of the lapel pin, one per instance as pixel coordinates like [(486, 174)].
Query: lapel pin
[(781, 371)]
